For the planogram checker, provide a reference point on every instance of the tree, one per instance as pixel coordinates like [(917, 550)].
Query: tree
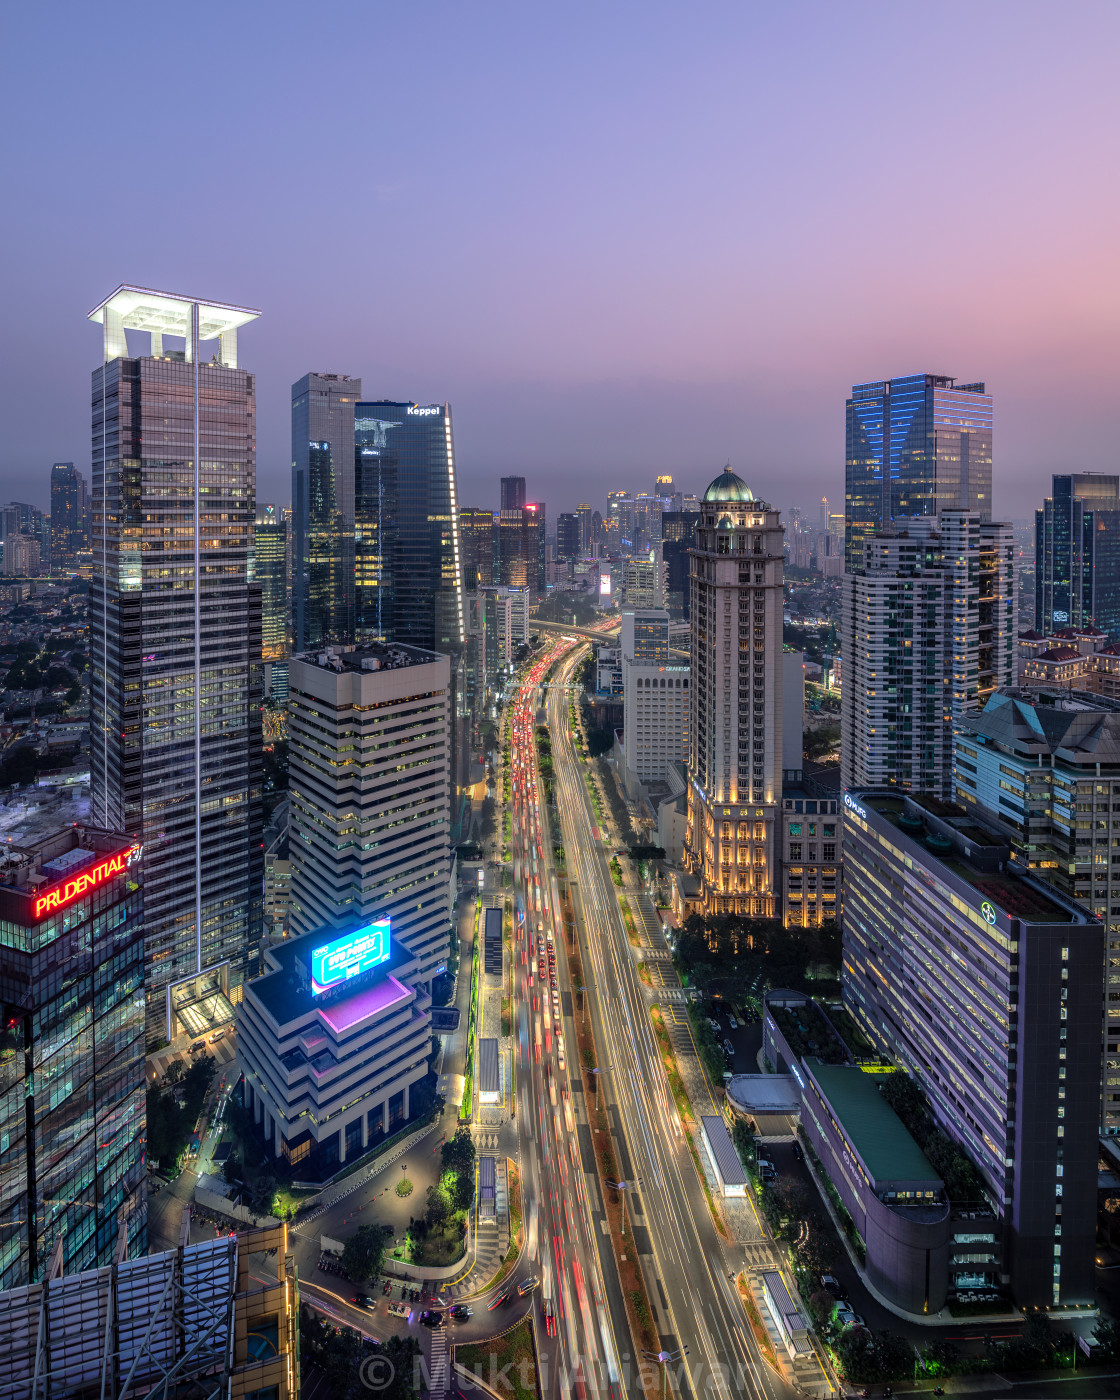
[(363, 1253), (58, 676), (439, 1207), (457, 1157), (231, 1167)]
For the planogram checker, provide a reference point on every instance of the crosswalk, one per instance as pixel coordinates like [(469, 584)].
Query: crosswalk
[(439, 1374)]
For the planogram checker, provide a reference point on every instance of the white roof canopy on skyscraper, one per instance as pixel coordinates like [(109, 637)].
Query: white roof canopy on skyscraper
[(167, 313)]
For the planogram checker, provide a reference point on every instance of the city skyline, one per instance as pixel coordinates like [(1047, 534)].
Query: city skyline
[(753, 327)]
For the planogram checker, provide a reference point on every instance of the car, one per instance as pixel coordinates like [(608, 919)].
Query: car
[(198, 1045), (847, 1317), (527, 1285), (499, 1300), (218, 1035), (797, 1152), (431, 1317), (729, 1049), (549, 1319), (458, 1312), (714, 1024), (733, 1023), (360, 1300), (831, 1284)]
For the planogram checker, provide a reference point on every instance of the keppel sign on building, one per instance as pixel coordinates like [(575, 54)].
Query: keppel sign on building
[(346, 957), (83, 883)]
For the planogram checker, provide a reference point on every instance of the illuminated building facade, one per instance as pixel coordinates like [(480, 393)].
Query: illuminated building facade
[(735, 720), (521, 546), (71, 1054), (271, 572), (175, 643), (323, 505), (986, 985), (927, 634), (1077, 554), (369, 774), (68, 516), (410, 524), (478, 541), (1043, 768), (915, 446), (329, 1064)]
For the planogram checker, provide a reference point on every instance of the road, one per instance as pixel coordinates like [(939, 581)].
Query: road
[(579, 1305), (700, 1309)]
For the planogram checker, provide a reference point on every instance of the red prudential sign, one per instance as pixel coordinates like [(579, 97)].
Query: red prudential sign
[(83, 883)]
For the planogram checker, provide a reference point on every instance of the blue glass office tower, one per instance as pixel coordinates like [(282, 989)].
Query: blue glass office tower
[(1077, 554), (410, 588), (914, 446)]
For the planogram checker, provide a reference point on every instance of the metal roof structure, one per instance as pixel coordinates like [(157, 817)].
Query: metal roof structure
[(723, 1151), (872, 1128), (488, 1067)]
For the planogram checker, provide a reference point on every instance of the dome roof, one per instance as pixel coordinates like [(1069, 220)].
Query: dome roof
[(728, 487)]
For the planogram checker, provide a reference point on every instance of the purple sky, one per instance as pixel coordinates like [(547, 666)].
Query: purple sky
[(622, 238)]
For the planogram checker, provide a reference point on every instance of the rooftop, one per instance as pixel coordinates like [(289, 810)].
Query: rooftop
[(145, 309), (872, 1127), (370, 656), (723, 1150), (1015, 894), (286, 993)]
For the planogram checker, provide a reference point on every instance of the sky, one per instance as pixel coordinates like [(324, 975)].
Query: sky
[(621, 238)]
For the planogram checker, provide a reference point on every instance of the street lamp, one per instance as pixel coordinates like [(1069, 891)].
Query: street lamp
[(663, 1358), (622, 1187)]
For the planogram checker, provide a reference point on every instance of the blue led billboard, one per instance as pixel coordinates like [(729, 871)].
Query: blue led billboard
[(348, 956)]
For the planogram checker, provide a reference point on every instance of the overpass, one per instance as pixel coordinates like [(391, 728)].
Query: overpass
[(590, 634)]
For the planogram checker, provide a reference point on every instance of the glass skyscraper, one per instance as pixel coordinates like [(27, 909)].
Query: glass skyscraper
[(410, 524), (271, 573), (1077, 554), (915, 446), (175, 643), (323, 492), (67, 515)]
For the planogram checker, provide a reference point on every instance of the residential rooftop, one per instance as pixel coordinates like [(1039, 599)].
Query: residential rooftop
[(872, 1127)]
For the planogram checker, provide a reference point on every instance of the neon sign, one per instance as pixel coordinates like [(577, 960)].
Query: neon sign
[(347, 957), (988, 912), (83, 883)]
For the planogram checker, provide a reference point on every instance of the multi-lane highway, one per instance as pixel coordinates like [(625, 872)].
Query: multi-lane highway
[(694, 1296)]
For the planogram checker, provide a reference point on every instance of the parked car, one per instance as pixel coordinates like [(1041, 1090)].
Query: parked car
[(729, 1049), (845, 1317), (831, 1284), (733, 1023), (797, 1152)]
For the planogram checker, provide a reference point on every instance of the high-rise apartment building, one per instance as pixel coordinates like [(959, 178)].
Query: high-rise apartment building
[(370, 774), (513, 493), (985, 985), (22, 557), (640, 581), (735, 717), (927, 634), (175, 644), (915, 446), (678, 531), (323, 489), (71, 1053), (1077, 554), (410, 449), (478, 541), (271, 570), (567, 535), (1043, 768), (655, 699), (68, 522)]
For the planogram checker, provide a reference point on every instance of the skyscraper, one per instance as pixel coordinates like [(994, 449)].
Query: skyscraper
[(409, 450), (521, 546), (477, 541), (71, 1053), (735, 717), (927, 634), (1077, 554), (376, 510), (271, 572), (513, 493), (915, 446), (567, 535), (67, 515), (175, 671), (370, 795), (585, 515), (323, 490)]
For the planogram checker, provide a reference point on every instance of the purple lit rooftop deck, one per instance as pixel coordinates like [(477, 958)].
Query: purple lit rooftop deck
[(371, 1001)]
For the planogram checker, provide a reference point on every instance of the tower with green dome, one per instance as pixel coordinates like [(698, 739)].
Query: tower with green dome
[(735, 744)]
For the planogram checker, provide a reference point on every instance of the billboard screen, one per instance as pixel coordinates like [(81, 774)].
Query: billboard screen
[(348, 956)]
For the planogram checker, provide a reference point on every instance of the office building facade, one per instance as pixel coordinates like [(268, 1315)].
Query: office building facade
[(914, 446), (735, 716), (329, 1064), (478, 542), (410, 448), (568, 535), (513, 493), (323, 487), (370, 791), (175, 644), (986, 985), (271, 571), (72, 1113), (927, 634), (1077, 554), (585, 515), (521, 558), (1043, 768)]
